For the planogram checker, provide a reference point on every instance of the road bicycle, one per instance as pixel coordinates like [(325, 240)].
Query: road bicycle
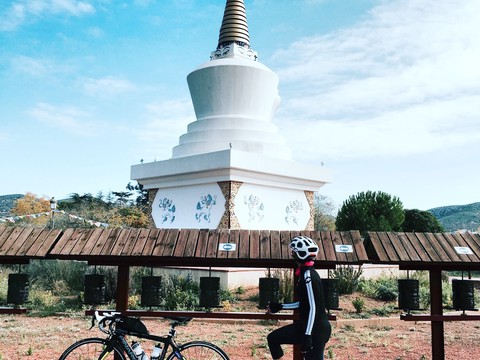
[(116, 346)]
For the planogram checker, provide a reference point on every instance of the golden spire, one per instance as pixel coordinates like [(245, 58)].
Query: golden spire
[(234, 25)]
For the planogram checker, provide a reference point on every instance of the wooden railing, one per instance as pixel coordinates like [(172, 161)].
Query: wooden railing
[(205, 314)]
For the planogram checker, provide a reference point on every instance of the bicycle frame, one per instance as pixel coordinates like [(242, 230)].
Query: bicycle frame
[(118, 338)]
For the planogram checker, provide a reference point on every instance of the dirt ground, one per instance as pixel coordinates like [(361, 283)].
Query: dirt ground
[(29, 337), (23, 337)]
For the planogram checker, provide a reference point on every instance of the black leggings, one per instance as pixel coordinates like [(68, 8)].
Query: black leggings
[(294, 333)]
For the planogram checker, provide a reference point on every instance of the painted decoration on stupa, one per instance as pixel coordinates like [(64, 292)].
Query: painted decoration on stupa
[(293, 210), (189, 207), (255, 208), (167, 210), (259, 207), (204, 207)]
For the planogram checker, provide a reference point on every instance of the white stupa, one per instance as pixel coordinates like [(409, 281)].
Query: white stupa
[(231, 169)]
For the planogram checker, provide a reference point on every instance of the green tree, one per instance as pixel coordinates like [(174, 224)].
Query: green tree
[(141, 195), (324, 220), (85, 202), (370, 211), (421, 221)]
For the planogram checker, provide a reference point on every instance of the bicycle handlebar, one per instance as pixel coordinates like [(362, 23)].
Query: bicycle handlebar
[(102, 320)]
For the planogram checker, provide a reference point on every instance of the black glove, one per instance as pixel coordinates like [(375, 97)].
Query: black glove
[(307, 343), (274, 307)]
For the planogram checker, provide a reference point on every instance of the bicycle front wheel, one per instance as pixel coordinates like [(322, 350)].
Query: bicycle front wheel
[(199, 350), (90, 349)]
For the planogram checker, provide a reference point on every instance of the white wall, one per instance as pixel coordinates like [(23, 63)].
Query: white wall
[(231, 278)]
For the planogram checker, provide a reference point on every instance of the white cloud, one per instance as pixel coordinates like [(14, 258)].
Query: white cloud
[(108, 86), (95, 32), (417, 129), (143, 2), (71, 7), (405, 80), (31, 66), (12, 17), (70, 119), (26, 10)]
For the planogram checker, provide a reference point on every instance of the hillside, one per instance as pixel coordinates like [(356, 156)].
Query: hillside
[(7, 202), (458, 217)]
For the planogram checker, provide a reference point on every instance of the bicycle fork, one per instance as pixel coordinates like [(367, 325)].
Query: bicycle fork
[(180, 356), (110, 346)]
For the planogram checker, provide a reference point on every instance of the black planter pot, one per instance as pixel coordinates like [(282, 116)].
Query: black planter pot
[(209, 292), (408, 294), (151, 286), (463, 294), (95, 289), (18, 286), (330, 293), (269, 290)]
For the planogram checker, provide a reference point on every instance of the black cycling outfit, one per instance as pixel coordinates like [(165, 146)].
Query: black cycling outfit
[(313, 318)]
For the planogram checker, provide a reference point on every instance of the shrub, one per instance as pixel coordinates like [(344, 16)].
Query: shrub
[(367, 287), (386, 292), (44, 302), (359, 305), (447, 300), (3, 286), (41, 299), (240, 290), (133, 302), (383, 311), (383, 288), (61, 277), (348, 278), (286, 284), (254, 297), (225, 304), (228, 296), (180, 293)]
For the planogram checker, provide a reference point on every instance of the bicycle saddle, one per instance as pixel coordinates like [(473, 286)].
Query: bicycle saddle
[(179, 319)]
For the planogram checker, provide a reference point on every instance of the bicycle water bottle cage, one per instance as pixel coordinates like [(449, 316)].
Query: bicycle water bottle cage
[(130, 325)]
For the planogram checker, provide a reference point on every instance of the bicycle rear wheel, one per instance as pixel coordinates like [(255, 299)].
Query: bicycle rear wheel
[(200, 350), (90, 349)]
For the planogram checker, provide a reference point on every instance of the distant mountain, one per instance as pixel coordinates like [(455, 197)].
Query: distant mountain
[(458, 217), (7, 202)]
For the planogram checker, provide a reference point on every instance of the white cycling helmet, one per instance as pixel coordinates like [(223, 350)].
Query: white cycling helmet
[(303, 248)]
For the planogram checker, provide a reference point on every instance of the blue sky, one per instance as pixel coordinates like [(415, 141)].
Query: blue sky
[(385, 93)]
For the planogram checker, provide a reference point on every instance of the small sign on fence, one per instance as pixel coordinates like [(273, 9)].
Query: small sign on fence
[(344, 248), (463, 250), (227, 247)]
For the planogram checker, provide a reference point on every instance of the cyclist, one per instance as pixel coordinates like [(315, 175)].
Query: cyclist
[(312, 330)]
